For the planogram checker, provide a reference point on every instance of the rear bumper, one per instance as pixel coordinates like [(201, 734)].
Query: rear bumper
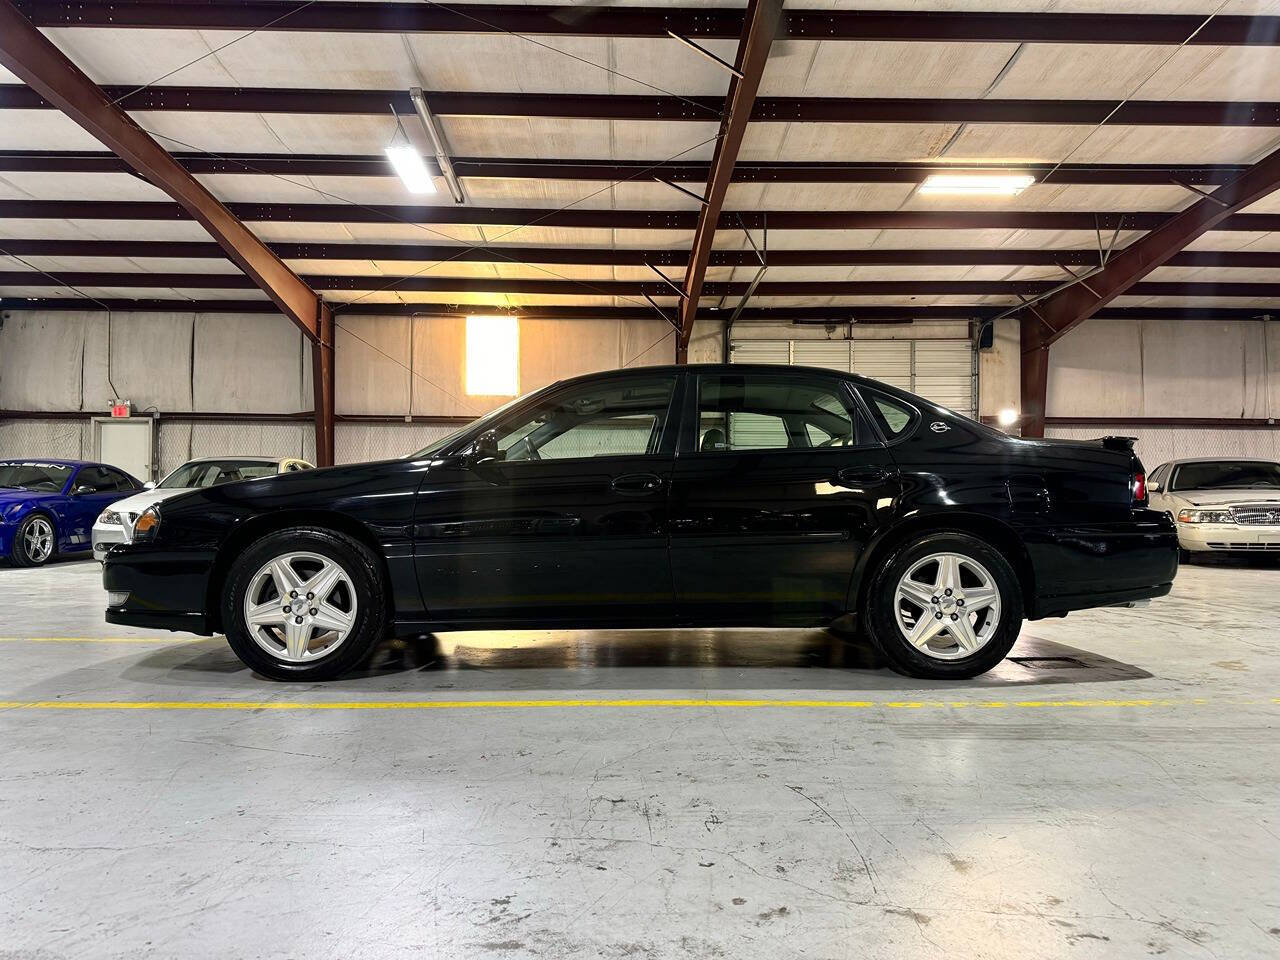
[(1100, 565), (157, 589)]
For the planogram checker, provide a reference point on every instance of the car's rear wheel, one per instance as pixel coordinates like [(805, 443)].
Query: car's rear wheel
[(304, 604), (945, 606), (34, 542)]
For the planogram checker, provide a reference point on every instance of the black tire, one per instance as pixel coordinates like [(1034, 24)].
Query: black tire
[(1184, 556), (905, 658), (361, 566), (19, 555)]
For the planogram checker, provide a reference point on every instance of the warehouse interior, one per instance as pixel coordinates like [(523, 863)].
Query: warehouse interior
[(614, 186)]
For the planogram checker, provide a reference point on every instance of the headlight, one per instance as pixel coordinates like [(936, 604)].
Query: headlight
[(1205, 516), (110, 516), (148, 525)]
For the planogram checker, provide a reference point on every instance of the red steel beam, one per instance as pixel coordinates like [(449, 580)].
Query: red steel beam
[(37, 61), (1064, 310), (1215, 113), (369, 165), (1044, 323), (34, 59), (603, 20), (760, 25)]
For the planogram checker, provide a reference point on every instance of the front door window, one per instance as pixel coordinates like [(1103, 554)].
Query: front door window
[(596, 420)]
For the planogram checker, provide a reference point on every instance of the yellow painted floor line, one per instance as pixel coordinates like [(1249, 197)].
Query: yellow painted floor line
[(301, 705), (106, 639)]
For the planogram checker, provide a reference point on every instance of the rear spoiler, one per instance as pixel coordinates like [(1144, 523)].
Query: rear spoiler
[(1119, 444)]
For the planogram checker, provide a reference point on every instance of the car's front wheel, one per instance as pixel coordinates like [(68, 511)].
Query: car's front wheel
[(33, 542), (945, 606), (304, 604)]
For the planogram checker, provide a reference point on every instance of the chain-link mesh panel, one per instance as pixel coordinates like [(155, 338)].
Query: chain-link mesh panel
[(238, 438), (175, 446), (64, 439), (1157, 445), (360, 442)]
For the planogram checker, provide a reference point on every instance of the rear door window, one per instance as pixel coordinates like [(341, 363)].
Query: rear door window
[(754, 411)]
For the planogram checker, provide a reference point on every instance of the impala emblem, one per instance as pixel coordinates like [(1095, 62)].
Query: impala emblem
[(938, 427)]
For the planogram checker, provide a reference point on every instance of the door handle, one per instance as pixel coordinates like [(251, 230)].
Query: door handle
[(636, 484), (862, 474)]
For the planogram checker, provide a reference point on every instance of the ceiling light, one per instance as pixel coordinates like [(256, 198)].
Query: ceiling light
[(408, 163), (1007, 417), (977, 184)]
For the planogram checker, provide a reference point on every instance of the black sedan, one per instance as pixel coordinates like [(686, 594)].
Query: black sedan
[(671, 496)]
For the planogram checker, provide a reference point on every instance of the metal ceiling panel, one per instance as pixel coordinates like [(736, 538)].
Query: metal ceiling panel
[(1010, 142), (802, 68), (845, 141)]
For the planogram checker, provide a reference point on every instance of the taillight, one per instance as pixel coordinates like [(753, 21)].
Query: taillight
[(1138, 485)]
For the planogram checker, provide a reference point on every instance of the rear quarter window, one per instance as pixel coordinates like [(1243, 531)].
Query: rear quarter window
[(894, 417)]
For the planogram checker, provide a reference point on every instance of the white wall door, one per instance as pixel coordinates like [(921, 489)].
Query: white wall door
[(939, 370), (125, 443)]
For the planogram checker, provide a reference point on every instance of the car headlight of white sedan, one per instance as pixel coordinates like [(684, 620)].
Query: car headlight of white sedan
[(110, 517), (1205, 516)]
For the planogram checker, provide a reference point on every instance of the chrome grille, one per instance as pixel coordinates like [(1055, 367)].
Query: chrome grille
[(1259, 514)]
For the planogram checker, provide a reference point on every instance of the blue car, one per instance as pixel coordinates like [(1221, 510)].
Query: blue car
[(48, 507)]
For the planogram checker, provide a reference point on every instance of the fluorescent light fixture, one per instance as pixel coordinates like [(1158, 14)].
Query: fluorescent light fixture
[(408, 163), (1007, 417), (493, 356), (977, 184)]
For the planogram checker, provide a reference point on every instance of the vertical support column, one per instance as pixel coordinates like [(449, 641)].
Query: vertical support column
[(1034, 375), (322, 381)]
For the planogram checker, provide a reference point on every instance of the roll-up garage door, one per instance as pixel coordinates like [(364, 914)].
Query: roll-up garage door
[(940, 370)]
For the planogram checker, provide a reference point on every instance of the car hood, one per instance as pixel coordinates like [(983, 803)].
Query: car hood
[(140, 501), (1209, 498), (10, 495)]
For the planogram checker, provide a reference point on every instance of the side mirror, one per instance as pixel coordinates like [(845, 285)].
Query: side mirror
[(149, 485), (484, 457), (81, 489), (485, 448), (1153, 486)]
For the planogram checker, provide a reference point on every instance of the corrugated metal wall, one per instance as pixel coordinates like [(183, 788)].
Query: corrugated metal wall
[(227, 363)]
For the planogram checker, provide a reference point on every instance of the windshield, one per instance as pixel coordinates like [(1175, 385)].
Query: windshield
[(213, 473), (33, 475), (1227, 474), (454, 435)]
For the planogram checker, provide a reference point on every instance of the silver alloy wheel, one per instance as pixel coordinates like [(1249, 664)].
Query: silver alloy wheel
[(300, 606), (37, 540), (947, 606)]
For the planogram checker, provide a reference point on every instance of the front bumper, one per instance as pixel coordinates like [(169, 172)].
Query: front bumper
[(1223, 537), (157, 589), (106, 536)]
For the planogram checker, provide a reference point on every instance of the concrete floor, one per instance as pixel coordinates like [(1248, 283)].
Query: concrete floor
[(1121, 802)]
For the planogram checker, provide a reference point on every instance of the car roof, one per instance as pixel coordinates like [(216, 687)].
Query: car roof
[(774, 368), (1217, 460), (251, 459)]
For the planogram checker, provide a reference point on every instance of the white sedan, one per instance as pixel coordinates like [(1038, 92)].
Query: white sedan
[(115, 525), (1220, 505)]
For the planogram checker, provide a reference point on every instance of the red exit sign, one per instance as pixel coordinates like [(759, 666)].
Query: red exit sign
[(120, 408)]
